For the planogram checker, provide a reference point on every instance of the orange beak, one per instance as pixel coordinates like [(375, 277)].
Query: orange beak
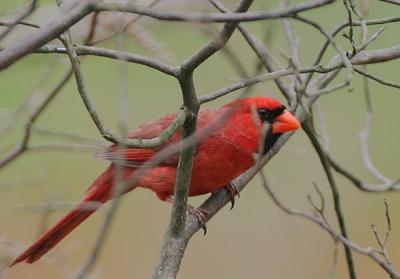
[(285, 122)]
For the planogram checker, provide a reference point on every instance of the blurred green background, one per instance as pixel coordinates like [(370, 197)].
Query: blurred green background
[(255, 240)]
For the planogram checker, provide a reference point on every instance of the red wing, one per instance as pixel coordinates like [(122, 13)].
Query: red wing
[(152, 129), (128, 154), (136, 157)]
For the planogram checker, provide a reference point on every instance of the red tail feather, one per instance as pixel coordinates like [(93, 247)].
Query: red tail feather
[(99, 191)]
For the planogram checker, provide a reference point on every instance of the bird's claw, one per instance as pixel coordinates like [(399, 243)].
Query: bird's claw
[(232, 191), (201, 215)]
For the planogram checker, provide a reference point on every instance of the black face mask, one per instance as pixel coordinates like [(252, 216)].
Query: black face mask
[(270, 140), (269, 116)]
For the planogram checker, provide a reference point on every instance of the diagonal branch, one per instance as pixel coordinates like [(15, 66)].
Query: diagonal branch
[(19, 20), (340, 27), (113, 54), (238, 16), (66, 16), (393, 185), (74, 10), (261, 50), (23, 145), (378, 79), (105, 132), (321, 221), (216, 44), (335, 193), (175, 242)]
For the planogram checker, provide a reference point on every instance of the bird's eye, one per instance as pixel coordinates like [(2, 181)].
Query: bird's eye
[(270, 115), (265, 114)]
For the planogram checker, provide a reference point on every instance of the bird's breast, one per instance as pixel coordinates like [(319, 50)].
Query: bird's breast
[(218, 161)]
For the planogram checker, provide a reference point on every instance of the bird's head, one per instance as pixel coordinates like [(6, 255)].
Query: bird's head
[(271, 111)]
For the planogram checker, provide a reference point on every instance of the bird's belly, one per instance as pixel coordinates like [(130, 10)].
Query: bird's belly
[(207, 175)]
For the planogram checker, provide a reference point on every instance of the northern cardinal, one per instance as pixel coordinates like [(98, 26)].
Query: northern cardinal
[(223, 154)]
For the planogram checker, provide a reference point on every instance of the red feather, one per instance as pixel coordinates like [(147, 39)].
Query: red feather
[(220, 157)]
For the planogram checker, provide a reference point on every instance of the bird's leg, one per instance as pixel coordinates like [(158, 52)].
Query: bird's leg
[(199, 213), (232, 191)]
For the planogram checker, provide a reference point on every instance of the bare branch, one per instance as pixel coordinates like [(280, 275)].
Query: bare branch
[(361, 58), (340, 27), (22, 146), (105, 132), (330, 89), (113, 54), (261, 78), (394, 185), (67, 15), (122, 28), (376, 56), (293, 43), (302, 95), (344, 59), (382, 242), (320, 220), (364, 135), (174, 241), (395, 2), (378, 79), (323, 128), (25, 23), (74, 10), (210, 17), (216, 44), (65, 147), (67, 136), (335, 194), (261, 51), (29, 11)]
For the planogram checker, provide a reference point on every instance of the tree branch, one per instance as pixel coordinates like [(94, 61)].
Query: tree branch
[(22, 146), (174, 241), (105, 132), (321, 221), (18, 20), (209, 17), (114, 54), (260, 50), (335, 194)]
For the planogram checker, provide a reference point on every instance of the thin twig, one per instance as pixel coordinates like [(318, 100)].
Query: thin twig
[(382, 241), (293, 43), (321, 222), (113, 54), (105, 132), (28, 12), (394, 185), (261, 50), (22, 146), (344, 59), (175, 241), (340, 27), (378, 79), (209, 17), (25, 23), (364, 136), (395, 2), (322, 124), (335, 195)]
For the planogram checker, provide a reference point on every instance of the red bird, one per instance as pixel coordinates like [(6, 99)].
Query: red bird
[(223, 154)]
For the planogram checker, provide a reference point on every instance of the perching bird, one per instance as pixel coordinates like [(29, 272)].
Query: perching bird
[(223, 154)]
